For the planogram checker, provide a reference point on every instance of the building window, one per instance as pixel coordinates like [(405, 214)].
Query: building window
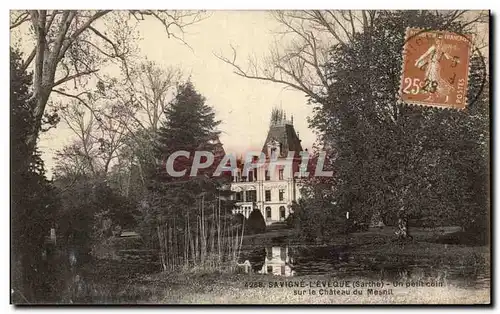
[(251, 196), (269, 269), (268, 195), (282, 195), (250, 176), (268, 212), (239, 196), (255, 174), (280, 174), (273, 151), (282, 213), (267, 175)]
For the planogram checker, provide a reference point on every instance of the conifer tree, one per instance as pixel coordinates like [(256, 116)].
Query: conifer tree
[(190, 125)]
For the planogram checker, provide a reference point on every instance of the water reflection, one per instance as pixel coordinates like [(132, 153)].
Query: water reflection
[(338, 261), (277, 262), (270, 260)]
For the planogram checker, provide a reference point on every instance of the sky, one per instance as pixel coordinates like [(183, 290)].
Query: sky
[(243, 105)]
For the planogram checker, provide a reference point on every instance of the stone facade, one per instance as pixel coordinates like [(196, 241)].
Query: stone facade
[(272, 192)]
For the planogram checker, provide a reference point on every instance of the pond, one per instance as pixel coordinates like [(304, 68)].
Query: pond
[(340, 262), (109, 281)]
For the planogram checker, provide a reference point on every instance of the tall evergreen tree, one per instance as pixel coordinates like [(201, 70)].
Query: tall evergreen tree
[(190, 125)]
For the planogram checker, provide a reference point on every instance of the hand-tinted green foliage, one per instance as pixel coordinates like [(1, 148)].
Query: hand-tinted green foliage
[(393, 158)]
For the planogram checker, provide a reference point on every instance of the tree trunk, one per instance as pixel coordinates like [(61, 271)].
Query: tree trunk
[(402, 232), (32, 138)]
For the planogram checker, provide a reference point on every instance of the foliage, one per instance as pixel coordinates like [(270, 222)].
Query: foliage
[(189, 125), (239, 220), (91, 211), (400, 160), (255, 223), (33, 198), (195, 207)]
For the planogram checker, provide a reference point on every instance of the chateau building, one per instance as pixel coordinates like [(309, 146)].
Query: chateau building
[(271, 192)]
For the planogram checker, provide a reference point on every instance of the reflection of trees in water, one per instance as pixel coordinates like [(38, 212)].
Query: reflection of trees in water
[(256, 257), (292, 255), (340, 260), (269, 260), (310, 254)]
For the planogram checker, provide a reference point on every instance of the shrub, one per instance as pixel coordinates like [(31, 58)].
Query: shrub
[(255, 223)]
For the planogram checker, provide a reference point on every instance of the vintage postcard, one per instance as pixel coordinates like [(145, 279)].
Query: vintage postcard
[(250, 157)]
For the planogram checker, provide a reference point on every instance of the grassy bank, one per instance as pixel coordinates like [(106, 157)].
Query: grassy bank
[(204, 288), (119, 282)]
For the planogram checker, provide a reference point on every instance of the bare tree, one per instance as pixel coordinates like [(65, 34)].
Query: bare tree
[(147, 94), (72, 46), (301, 48), (116, 129), (303, 40), (78, 158), (143, 103), (97, 143)]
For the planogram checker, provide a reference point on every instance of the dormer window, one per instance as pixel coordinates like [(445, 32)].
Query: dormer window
[(274, 148)]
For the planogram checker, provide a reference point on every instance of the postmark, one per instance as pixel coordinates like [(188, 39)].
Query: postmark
[(435, 68)]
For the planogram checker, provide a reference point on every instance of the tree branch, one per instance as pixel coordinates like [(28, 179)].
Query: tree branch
[(23, 17), (83, 102)]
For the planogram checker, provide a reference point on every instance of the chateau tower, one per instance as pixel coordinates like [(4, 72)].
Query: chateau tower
[(271, 192)]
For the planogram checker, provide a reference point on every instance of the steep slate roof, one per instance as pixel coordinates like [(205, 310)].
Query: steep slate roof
[(286, 135)]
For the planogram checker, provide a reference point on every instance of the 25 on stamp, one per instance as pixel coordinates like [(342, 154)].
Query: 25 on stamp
[(435, 68)]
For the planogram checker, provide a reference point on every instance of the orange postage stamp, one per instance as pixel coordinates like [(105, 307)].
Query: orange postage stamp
[(435, 68)]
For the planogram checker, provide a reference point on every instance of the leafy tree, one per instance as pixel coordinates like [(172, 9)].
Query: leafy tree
[(189, 125), (33, 198), (91, 211), (366, 47), (399, 160)]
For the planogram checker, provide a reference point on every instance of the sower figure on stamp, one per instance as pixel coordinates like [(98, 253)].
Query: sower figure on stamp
[(438, 87)]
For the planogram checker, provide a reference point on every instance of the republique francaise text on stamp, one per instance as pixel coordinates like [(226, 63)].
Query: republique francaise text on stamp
[(435, 68)]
